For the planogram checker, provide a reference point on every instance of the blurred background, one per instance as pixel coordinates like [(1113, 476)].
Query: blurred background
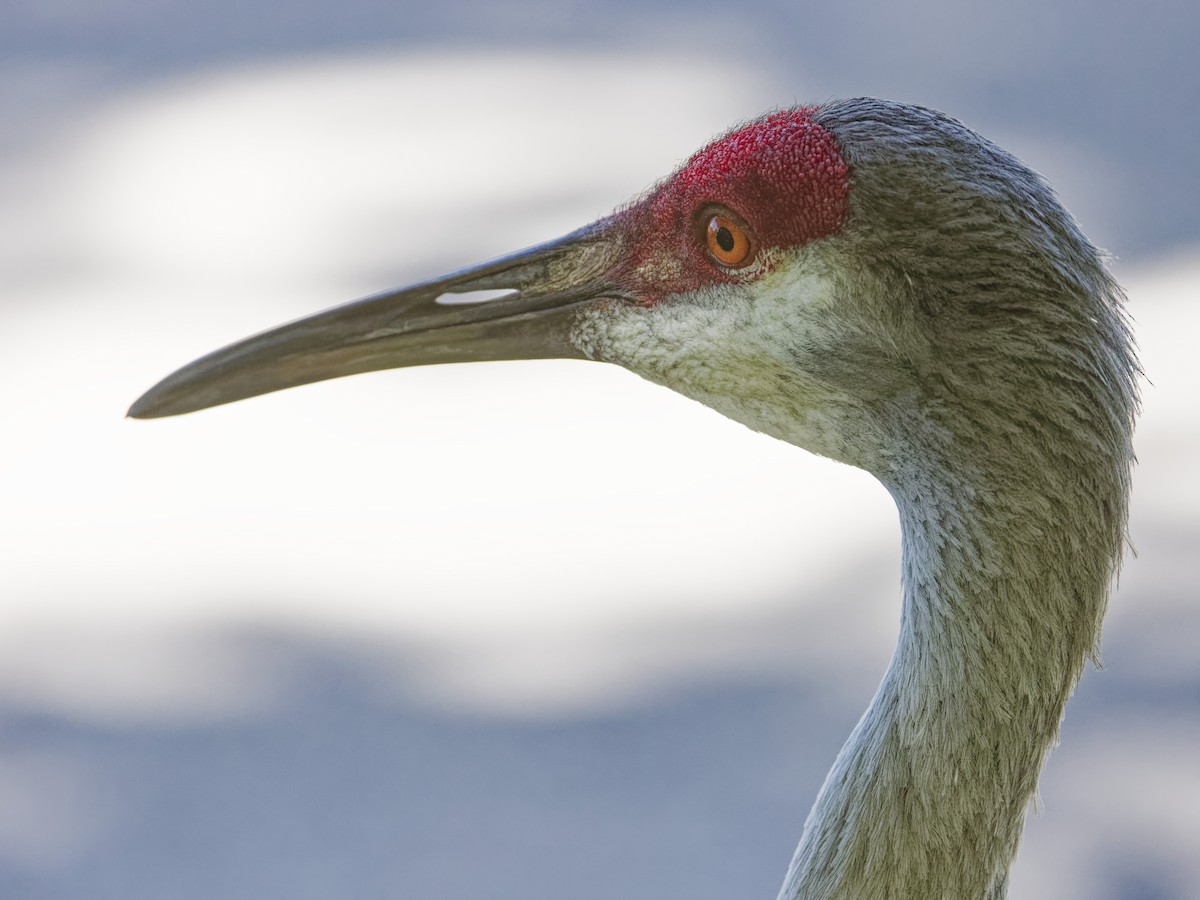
[(522, 630)]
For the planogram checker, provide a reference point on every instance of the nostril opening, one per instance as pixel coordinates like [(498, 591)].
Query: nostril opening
[(455, 298)]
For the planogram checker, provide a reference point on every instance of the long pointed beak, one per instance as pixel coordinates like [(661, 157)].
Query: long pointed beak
[(543, 290)]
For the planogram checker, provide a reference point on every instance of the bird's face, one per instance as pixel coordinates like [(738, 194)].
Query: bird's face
[(723, 282), (730, 291), (727, 216)]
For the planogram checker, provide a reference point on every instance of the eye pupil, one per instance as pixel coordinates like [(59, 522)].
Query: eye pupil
[(725, 239)]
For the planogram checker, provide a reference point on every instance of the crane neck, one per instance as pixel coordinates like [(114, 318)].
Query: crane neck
[(1002, 604)]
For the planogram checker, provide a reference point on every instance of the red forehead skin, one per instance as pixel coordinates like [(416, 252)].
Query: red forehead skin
[(783, 174)]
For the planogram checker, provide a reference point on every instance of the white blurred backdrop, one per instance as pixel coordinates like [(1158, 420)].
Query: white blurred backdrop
[(522, 629)]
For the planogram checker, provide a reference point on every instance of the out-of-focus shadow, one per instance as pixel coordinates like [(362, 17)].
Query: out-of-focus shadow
[(345, 786)]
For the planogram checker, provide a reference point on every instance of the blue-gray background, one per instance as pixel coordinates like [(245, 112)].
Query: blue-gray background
[(1120, 77), (343, 782)]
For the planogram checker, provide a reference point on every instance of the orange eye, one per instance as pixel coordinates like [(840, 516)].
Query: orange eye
[(728, 241)]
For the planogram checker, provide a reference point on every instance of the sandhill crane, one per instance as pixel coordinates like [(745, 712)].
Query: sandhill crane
[(876, 283)]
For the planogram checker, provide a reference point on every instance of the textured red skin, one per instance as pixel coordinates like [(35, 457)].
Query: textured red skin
[(783, 174)]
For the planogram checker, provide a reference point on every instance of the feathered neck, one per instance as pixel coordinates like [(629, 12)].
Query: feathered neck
[(928, 797)]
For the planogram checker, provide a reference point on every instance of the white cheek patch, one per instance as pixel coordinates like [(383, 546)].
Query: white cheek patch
[(720, 326), (740, 349)]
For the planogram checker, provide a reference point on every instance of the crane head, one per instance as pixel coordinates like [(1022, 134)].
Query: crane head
[(834, 276)]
